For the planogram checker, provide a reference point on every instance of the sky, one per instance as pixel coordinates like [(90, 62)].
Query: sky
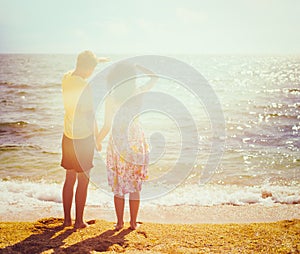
[(150, 26)]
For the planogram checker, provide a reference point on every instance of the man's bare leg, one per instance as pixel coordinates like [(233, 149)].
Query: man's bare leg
[(67, 196), (80, 198)]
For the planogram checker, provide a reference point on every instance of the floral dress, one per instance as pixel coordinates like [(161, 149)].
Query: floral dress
[(127, 159)]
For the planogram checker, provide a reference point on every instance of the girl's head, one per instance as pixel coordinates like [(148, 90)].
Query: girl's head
[(121, 81)]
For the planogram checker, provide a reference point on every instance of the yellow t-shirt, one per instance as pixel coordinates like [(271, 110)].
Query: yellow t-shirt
[(78, 104)]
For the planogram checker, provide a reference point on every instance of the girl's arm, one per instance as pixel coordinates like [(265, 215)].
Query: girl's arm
[(108, 116), (150, 83)]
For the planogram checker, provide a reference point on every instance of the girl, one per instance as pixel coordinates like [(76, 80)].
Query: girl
[(127, 151)]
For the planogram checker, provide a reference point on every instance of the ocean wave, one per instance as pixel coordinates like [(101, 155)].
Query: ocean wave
[(19, 192), (51, 85), (50, 152), (14, 85), (29, 108), (7, 102), (14, 124), (27, 193), (281, 115), (20, 127), (10, 147), (21, 93), (11, 128), (192, 194), (5, 83), (209, 195), (294, 91)]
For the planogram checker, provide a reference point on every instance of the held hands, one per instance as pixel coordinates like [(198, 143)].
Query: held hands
[(98, 144), (99, 147), (101, 136)]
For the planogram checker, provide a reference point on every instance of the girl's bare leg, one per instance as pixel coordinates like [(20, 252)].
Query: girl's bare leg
[(67, 196), (134, 204), (119, 208), (80, 198)]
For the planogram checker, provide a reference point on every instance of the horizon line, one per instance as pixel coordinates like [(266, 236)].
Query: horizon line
[(153, 53)]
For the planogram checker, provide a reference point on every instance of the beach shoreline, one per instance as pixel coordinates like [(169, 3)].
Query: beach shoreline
[(184, 214)]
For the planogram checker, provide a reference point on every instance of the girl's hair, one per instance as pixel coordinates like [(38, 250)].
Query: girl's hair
[(121, 82)]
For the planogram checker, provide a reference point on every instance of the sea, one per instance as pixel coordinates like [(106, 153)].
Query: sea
[(258, 163)]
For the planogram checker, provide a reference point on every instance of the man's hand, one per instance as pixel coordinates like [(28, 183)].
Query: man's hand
[(103, 59)]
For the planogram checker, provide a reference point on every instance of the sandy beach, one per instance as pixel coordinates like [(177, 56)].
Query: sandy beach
[(182, 229), (47, 236)]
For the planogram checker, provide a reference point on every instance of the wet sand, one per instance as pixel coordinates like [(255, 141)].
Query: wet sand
[(166, 214)]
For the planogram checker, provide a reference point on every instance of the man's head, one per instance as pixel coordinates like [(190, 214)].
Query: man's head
[(86, 63)]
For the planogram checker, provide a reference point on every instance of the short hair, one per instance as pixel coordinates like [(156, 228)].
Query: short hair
[(86, 60)]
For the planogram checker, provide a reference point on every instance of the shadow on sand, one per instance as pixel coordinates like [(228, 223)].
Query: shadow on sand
[(108, 240), (47, 236)]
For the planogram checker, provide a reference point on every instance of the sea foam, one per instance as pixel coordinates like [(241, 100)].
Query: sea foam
[(45, 193)]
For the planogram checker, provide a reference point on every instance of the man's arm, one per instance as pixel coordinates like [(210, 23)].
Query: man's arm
[(108, 116)]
